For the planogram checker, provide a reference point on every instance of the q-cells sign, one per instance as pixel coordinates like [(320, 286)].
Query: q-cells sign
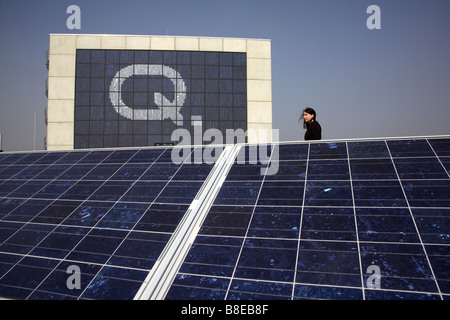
[(128, 112), (133, 98)]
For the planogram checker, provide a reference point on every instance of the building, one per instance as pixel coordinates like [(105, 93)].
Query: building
[(107, 91)]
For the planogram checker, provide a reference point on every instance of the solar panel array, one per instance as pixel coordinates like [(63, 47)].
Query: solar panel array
[(108, 212), (314, 229), (338, 220)]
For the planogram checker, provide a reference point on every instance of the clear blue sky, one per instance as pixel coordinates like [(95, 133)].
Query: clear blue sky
[(363, 83)]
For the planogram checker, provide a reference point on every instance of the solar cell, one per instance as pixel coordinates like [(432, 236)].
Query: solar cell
[(337, 220)]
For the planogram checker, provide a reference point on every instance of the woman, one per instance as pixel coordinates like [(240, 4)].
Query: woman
[(313, 129)]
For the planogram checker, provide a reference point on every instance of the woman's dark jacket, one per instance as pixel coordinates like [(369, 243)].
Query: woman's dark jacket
[(313, 131)]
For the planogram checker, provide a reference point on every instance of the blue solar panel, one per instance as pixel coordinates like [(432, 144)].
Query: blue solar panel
[(338, 220), (320, 227), (110, 213)]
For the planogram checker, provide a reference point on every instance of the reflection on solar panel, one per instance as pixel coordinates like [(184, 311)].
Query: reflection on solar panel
[(339, 220)]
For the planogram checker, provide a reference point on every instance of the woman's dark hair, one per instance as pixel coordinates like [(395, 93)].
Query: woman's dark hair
[(309, 111)]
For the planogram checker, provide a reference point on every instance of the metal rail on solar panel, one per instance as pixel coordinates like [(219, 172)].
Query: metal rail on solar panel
[(160, 278)]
